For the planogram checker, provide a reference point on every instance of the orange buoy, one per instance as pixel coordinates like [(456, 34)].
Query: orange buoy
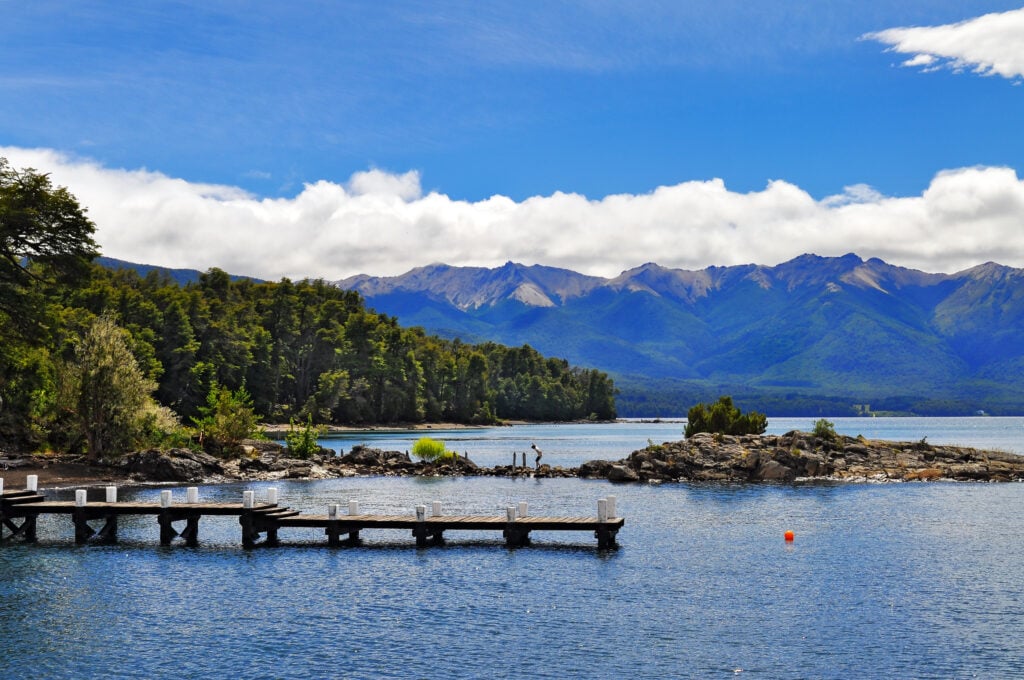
[(789, 536)]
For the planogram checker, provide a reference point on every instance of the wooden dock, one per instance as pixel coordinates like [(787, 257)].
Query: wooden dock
[(261, 522)]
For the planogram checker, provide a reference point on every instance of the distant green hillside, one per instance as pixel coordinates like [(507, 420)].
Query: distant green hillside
[(178, 276)]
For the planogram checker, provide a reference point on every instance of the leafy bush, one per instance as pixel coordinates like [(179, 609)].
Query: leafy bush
[(431, 450), (302, 443), (723, 418), (227, 418), (824, 429)]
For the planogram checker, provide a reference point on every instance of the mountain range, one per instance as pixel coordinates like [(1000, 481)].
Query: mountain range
[(814, 335)]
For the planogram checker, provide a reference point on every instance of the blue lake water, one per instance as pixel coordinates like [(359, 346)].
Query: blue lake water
[(891, 580)]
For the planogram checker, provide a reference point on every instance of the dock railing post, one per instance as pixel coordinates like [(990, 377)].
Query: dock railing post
[(514, 462), (165, 519), (611, 507), (192, 495), (353, 509), (513, 535), (332, 525), (272, 495), (32, 483), (1, 486), (82, 529), (108, 534), (435, 509), (249, 534), (420, 532), (605, 536), (524, 460)]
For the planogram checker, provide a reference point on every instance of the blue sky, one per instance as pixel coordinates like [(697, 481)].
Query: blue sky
[(376, 134)]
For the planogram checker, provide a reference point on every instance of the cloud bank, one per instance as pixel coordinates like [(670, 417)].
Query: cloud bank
[(992, 44), (384, 224)]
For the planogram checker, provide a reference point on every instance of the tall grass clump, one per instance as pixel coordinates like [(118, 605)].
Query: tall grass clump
[(431, 450)]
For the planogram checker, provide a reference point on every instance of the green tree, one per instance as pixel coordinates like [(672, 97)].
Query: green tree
[(303, 442), (723, 417), (44, 237), (107, 392), (227, 418)]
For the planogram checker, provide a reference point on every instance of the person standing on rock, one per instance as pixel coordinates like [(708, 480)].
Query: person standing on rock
[(540, 454)]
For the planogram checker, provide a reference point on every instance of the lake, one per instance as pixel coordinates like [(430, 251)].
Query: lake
[(901, 580)]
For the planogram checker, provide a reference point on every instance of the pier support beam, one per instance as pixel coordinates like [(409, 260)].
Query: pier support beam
[(249, 533), (83, 532), (191, 531), (27, 529), (108, 534)]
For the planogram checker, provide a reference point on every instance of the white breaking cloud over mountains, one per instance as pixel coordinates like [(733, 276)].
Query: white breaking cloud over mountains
[(384, 224), (992, 44)]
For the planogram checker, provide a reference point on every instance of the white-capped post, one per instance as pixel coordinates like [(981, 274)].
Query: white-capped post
[(272, 495), (165, 499), (248, 499), (522, 508), (510, 513), (602, 510), (421, 513), (32, 483), (80, 498), (353, 507), (111, 494), (611, 507), (1, 485), (332, 510), (435, 509), (192, 495)]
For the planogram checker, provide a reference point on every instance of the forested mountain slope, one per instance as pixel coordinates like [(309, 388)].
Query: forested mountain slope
[(815, 334)]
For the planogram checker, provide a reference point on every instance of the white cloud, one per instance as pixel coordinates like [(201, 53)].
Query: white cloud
[(380, 223), (992, 44)]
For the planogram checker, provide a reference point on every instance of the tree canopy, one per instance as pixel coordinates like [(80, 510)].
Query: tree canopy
[(723, 417)]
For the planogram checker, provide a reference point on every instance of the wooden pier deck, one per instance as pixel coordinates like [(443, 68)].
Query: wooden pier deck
[(261, 522)]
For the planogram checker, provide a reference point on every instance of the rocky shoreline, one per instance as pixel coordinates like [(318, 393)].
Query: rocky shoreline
[(801, 456), (794, 457)]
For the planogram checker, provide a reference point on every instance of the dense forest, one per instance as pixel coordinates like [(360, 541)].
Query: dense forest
[(81, 343)]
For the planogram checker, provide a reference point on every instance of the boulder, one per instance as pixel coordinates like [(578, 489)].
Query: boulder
[(595, 469), (774, 471), (621, 473), (174, 465)]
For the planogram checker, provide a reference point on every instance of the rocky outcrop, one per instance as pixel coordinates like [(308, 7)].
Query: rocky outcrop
[(173, 465), (797, 456)]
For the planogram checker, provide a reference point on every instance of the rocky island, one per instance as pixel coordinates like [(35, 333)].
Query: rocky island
[(798, 456)]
